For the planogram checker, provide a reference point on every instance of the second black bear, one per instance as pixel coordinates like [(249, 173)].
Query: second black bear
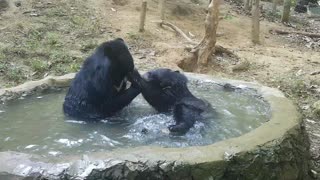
[(99, 88), (166, 91)]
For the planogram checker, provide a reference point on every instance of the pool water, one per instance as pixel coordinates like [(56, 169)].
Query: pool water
[(36, 124)]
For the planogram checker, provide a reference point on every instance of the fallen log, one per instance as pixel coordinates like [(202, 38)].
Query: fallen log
[(283, 32)]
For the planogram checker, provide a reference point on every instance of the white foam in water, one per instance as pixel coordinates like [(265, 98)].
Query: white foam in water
[(30, 146), (76, 122), (108, 140), (54, 153), (70, 143)]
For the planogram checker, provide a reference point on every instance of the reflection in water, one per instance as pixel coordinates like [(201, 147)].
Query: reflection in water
[(36, 124)]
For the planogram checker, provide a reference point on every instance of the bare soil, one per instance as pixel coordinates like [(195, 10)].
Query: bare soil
[(43, 37)]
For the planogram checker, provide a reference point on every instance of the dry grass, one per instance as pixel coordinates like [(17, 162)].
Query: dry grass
[(46, 38)]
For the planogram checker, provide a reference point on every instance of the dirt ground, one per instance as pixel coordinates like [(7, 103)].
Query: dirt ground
[(42, 37)]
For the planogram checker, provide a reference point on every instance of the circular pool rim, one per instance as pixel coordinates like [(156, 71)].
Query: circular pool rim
[(158, 160)]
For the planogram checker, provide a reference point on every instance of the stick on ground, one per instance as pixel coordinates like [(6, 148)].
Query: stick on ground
[(178, 30), (312, 35)]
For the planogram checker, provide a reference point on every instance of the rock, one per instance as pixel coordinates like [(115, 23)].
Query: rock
[(316, 108)]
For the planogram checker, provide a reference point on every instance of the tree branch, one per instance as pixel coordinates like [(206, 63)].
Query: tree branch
[(178, 30)]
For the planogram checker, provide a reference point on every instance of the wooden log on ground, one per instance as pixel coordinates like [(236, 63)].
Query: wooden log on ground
[(283, 32)]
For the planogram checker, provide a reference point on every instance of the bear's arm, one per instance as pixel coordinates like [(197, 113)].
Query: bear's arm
[(122, 100), (185, 116)]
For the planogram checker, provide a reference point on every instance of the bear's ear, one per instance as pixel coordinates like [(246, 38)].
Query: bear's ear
[(119, 39)]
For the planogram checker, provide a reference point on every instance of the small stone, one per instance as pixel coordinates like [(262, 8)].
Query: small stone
[(305, 107), (34, 14)]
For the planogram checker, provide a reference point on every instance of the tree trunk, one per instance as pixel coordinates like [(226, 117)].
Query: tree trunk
[(206, 47), (274, 6), (286, 11), (255, 22), (143, 15), (247, 5), (162, 6), (250, 4)]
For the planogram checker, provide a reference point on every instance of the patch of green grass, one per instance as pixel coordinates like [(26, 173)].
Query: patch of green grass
[(78, 20), (3, 67), (293, 85), (49, 43), (53, 39), (132, 35), (38, 66), (35, 34), (14, 51), (60, 57), (15, 74), (74, 67), (228, 17), (58, 11), (89, 46)]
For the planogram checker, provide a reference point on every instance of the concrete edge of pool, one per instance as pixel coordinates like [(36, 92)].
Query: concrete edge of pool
[(275, 150)]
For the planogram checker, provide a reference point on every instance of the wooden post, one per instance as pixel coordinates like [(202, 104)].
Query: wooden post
[(162, 9), (255, 22), (143, 15)]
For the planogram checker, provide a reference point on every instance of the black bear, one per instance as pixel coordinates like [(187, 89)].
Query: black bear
[(167, 91), (99, 88)]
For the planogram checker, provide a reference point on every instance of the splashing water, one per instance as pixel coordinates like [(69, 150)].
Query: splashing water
[(37, 125)]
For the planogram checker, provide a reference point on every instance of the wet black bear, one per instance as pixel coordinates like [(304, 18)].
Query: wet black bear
[(167, 91), (99, 88)]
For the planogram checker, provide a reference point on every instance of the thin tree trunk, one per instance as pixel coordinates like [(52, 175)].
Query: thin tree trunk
[(162, 7), (255, 22), (286, 11), (274, 6), (247, 5), (207, 46), (143, 15), (250, 4)]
